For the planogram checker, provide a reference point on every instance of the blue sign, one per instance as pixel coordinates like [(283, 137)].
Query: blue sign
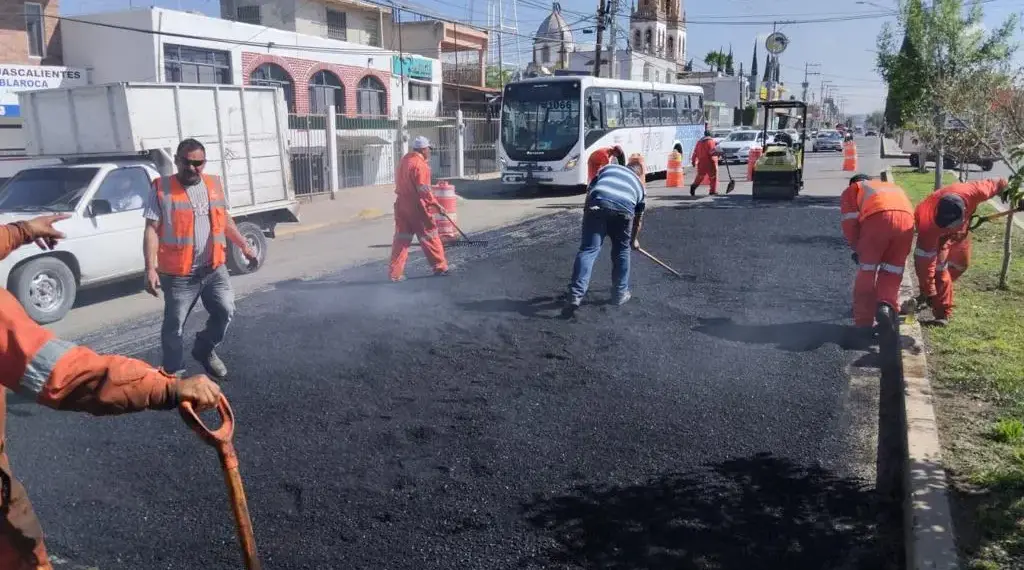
[(413, 66), (10, 110)]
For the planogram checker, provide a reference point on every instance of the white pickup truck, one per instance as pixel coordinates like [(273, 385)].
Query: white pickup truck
[(112, 141)]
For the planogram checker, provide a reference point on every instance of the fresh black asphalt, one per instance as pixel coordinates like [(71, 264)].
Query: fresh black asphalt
[(461, 423)]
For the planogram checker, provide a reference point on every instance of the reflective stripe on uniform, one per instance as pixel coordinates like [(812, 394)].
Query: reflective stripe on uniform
[(424, 189), (431, 234), (924, 253), (851, 216), (897, 269), (956, 266), (869, 267), (38, 371), (940, 267)]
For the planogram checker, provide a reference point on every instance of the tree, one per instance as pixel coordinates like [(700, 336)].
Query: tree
[(497, 77), (942, 47), (716, 60), (875, 119)]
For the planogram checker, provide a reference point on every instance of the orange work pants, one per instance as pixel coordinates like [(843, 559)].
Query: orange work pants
[(885, 241), (711, 172), (953, 259), (21, 536), (408, 225)]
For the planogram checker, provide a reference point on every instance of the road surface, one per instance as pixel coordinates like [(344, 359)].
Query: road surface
[(715, 421)]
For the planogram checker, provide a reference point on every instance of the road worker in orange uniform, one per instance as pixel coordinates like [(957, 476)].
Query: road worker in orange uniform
[(878, 223), (602, 157), (705, 160), (60, 375), (943, 243), (412, 212)]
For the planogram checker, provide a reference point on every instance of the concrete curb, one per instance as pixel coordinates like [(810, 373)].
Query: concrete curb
[(929, 537), (363, 215)]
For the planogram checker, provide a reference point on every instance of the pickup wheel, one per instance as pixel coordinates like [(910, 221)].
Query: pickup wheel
[(987, 165), (914, 160), (237, 263), (46, 288)]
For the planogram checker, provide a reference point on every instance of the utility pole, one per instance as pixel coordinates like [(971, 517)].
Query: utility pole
[(613, 30), (807, 75), (501, 59), (601, 14)]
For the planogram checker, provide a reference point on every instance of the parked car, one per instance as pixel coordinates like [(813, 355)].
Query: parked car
[(871, 133), (737, 146), (827, 141), (720, 135)]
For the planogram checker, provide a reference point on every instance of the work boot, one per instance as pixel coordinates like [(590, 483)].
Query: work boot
[(713, 193), (398, 279), (211, 362), (624, 298), (885, 315), (441, 272), (693, 190)]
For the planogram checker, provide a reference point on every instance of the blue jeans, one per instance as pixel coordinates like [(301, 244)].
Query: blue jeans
[(180, 296), (597, 224)]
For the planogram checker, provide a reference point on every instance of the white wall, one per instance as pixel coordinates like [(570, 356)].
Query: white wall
[(131, 56), (112, 54), (417, 108)]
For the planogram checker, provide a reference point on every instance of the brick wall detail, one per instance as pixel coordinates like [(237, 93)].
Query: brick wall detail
[(14, 37), (302, 70)]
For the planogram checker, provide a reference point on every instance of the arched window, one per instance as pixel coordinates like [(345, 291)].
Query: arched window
[(371, 97), (546, 52), (637, 41), (648, 38), (326, 89), (273, 75), (670, 47)]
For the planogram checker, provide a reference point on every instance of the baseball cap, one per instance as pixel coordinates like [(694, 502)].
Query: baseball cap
[(950, 211), (420, 143)]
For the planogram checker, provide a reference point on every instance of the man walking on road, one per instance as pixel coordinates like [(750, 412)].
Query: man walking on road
[(62, 376), (413, 203), (943, 242), (614, 208), (878, 223), (185, 246), (705, 160)]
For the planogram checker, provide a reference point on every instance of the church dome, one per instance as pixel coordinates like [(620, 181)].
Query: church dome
[(554, 27)]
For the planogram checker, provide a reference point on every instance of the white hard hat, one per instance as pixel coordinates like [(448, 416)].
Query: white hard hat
[(420, 143)]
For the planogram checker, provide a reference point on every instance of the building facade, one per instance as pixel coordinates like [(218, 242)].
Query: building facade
[(30, 59)]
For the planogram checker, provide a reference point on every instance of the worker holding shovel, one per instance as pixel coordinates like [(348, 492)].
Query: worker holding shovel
[(614, 208), (944, 243), (66, 377)]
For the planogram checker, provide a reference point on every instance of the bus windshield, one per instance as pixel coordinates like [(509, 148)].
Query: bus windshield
[(540, 121)]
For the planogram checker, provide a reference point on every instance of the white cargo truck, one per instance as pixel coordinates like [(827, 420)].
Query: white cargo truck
[(112, 141)]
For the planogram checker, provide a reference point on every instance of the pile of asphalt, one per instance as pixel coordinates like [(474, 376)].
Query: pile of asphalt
[(459, 422)]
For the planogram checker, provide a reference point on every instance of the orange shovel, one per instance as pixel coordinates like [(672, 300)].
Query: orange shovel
[(220, 439)]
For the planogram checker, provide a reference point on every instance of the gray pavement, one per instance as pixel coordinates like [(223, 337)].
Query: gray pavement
[(713, 422)]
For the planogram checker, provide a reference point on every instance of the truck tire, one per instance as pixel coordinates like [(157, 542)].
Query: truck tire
[(237, 263), (45, 287), (987, 165), (914, 162)]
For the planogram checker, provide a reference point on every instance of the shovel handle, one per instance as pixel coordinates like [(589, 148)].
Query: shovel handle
[(977, 221), (218, 437)]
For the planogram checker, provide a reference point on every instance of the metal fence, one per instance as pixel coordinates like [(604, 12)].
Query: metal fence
[(369, 149)]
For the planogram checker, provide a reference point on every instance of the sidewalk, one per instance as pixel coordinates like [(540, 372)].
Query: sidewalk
[(371, 202)]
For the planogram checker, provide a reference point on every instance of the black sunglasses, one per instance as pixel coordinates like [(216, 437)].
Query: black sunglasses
[(194, 163)]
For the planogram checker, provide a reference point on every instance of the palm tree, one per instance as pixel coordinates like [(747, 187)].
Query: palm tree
[(716, 60)]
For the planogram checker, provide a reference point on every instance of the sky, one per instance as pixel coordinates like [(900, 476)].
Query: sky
[(843, 48)]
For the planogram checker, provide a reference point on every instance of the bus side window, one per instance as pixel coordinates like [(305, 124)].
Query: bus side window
[(613, 109), (652, 113), (634, 115), (668, 109), (683, 109), (697, 108)]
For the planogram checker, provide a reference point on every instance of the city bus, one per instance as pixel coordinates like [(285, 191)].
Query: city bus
[(551, 125)]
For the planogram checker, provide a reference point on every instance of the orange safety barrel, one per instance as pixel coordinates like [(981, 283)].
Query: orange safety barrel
[(445, 194), (674, 175), (849, 156), (755, 153)]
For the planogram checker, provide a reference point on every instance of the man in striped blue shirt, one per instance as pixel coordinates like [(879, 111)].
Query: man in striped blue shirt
[(614, 208)]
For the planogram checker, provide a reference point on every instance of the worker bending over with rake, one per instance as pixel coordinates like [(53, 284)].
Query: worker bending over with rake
[(944, 243), (614, 208), (878, 223), (413, 202), (60, 375)]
